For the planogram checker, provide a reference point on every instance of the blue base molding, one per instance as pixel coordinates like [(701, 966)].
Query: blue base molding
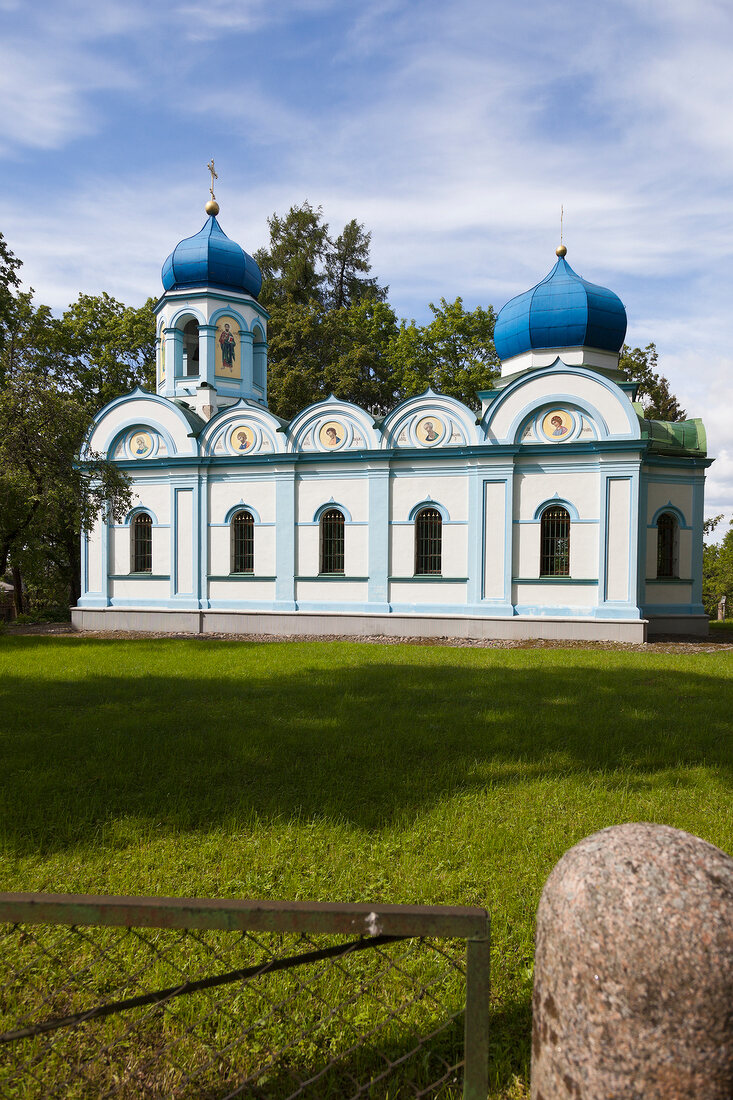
[(656, 610)]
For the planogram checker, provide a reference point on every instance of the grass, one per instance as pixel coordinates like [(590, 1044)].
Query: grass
[(343, 771)]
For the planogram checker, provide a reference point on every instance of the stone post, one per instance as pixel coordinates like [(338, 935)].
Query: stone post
[(633, 979)]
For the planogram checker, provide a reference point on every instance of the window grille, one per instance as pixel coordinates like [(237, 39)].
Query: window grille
[(555, 543), (428, 542), (142, 543), (666, 545), (332, 541), (243, 543)]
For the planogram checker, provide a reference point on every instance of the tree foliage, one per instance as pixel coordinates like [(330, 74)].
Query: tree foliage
[(657, 400), (330, 325), (717, 569), (55, 373), (453, 354)]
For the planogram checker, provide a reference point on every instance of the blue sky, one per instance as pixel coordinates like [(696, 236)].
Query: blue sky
[(454, 132)]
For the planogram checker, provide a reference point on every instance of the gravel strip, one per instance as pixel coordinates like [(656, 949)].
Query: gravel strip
[(676, 644)]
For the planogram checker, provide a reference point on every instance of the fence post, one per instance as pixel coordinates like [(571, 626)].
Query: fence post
[(476, 1025)]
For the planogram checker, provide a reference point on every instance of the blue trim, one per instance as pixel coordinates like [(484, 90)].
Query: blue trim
[(339, 577), (240, 577), (326, 508), (136, 512), (476, 529), (557, 502), (696, 557), (508, 538), (582, 372), (243, 298), (676, 512), (285, 541), (430, 609), (139, 576), (378, 545), (534, 522), (537, 611), (420, 578), (192, 312), (428, 503), (662, 609), (555, 580), (241, 507)]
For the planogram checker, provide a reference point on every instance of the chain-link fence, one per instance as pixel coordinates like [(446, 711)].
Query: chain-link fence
[(174, 998)]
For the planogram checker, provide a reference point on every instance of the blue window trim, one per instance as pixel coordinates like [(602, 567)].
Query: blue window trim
[(327, 508), (417, 508), (556, 502)]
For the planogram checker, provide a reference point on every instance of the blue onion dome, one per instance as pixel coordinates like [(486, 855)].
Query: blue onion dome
[(209, 258), (563, 311)]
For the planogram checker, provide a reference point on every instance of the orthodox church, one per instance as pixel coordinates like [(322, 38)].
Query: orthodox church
[(558, 511)]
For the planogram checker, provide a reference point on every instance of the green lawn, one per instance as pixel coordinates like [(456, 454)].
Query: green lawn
[(359, 772)]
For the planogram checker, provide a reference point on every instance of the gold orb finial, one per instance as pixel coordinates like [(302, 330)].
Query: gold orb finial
[(561, 251), (212, 207)]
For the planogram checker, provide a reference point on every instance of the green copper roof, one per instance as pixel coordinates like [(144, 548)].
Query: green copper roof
[(682, 437)]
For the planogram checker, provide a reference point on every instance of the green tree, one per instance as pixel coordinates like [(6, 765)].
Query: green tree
[(330, 325), (46, 499), (102, 348), (717, 569), (293, 265), (453, 354), (658, 402), (347, 269), (55, 373), (9, 283)]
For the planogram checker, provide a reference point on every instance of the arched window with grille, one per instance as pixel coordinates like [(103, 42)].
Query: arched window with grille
[(667, 542), (555, 542), (428, 542), (141, 547), (243, 542), (332, 541)]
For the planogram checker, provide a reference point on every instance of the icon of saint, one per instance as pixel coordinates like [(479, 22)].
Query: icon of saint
[(228, 345), (140, 446), (558, 426), (333, 437), (430, 432), (243, 441)]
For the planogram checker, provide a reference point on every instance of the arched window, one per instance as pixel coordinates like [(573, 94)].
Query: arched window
[(259, 359), (667, 545), (555, 543), (141, 549), (332, 542), (191, 348), (243, 542), (428, 542)]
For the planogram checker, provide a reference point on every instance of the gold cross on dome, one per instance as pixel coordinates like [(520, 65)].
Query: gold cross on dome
[(214, 176)]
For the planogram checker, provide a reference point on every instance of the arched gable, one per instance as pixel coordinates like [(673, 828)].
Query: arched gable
[(429, 421), (140, 409), (575, 388), (332, 426), (262, 431)]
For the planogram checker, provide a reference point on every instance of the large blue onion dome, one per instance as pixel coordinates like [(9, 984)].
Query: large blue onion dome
[(563, 311), (209, 258)]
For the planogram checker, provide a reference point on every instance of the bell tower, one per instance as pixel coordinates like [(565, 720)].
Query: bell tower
[(211, 333)]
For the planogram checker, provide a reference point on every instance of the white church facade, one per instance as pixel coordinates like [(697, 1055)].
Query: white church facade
[(558, 511)]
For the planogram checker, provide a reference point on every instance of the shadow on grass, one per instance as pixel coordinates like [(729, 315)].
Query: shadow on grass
[(361, 742)]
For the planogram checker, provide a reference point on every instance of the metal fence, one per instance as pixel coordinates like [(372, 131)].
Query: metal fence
[(177, 997)]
